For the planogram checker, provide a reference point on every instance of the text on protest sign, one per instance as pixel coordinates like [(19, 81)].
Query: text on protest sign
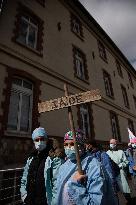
[(69, 101)]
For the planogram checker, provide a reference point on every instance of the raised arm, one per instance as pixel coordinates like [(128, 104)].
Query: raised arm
[(91, 191)]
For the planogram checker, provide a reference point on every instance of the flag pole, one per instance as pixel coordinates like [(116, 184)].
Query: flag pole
[(71, 121)]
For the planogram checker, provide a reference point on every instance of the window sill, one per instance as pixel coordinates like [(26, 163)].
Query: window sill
[(85, 81), (17, 133), (81, 37), (111, 97), (29, 48)]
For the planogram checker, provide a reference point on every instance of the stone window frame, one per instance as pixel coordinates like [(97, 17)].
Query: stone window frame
[(125, 96), (114, 119), (11, 72), (108, 84), (102, 51), (20, 87), (79, 32), (23, 11), (119, 69), (84, 78)]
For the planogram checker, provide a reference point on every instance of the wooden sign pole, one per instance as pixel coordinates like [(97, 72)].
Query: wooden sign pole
[(66, 102), (71, 121)]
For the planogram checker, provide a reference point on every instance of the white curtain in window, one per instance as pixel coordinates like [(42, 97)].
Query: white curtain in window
[(25, 107)]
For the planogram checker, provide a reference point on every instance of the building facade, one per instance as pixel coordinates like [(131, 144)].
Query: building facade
[(43, 45)]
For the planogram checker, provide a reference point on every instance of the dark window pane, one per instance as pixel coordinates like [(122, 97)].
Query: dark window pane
[(13, 111), (115, 126), (102, 51), (23, 31), (108, 84), (32, 37), (27, 85), (76, 26), (134, 101), (119, 68), (125, 97), (80, 64), (17, 81)]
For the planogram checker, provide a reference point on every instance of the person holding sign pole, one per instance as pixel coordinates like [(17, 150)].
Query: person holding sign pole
[(91, 187)]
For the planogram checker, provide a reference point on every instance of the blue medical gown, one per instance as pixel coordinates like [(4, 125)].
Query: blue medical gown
[(96, 191)]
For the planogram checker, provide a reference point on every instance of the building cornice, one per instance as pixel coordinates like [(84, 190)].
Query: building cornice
[(117, 107), (13, 53), (55, 75)]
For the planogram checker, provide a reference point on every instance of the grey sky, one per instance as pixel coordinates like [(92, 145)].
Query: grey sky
[(118, 19)]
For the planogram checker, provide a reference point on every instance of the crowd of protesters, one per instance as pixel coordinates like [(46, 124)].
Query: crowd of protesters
[(51, 175)]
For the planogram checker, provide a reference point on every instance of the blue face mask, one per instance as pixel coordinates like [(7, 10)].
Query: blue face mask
[(41, 145), (70, 153)]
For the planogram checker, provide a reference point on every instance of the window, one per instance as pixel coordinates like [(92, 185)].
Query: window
[(1, 5), (29, 29), (80, 65), (125, 97), (130, 80), (76, 26), (108, 84), (102, 51), (119, 68), (131, 126), (84, 119), (28, 32), (134, 100), (20, 108), (115, 126)]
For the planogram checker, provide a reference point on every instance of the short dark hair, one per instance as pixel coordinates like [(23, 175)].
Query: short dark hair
[(93, 143)]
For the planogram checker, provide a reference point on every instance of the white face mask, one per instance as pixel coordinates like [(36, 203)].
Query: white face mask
[(134, 146), (40, 145), (112, 146)]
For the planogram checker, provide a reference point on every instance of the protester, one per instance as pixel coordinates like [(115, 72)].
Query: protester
[(95, 150), (35, 176), (54, 160), (118, 156), (92, 187), (131, 156)]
